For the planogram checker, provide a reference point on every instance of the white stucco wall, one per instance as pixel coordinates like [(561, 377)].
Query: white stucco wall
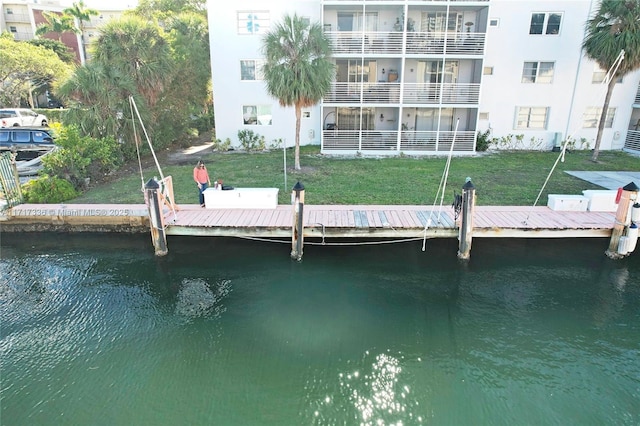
[(509, 45), (230, 93)]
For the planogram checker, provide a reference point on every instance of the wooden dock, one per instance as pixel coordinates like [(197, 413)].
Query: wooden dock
[(320, 221)]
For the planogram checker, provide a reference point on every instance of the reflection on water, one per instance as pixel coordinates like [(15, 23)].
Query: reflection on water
[(96, 330)]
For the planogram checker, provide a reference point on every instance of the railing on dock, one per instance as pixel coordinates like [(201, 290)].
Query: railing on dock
[(9, 182)]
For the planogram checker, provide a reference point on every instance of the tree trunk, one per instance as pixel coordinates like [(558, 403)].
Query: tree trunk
[(603, 118), (297, 151)]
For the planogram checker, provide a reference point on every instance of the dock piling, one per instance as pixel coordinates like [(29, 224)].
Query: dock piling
[(466, 220), (628, 196), (297, 198), (156, 218)]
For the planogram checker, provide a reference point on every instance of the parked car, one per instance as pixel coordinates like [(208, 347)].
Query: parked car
[(26, 142), (12, 117)]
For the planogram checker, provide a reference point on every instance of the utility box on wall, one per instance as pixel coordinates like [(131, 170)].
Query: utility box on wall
[(571, 203)]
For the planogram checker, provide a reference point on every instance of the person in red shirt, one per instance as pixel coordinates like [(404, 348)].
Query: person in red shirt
[(201, 176)]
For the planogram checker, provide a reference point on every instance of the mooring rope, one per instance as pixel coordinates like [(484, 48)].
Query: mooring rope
[(135, 138), (362, 243), (443, 186)]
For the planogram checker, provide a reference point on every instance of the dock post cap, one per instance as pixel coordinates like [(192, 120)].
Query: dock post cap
[(468, 184), (152, 184), (298, 187), (631, 186)]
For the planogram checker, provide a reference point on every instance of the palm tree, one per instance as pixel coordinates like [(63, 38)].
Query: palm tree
[(82, 14), (56, 23), (138, 49), (614, 28), (297, 68)]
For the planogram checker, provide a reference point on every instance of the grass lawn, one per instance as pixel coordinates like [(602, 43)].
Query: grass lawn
[(500, 178)]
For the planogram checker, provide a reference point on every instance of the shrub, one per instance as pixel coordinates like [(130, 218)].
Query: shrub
[(79, 158), (47, 189), (251, 141), (219, 145), (276, 143), (483, 142)]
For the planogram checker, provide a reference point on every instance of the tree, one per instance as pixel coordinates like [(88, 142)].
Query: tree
[(161, 9), (131, 57), (82, 14), (61, 49), (297, 69), (24, 67), (140, 50), (57, 23), (614, 27), (97, 97)]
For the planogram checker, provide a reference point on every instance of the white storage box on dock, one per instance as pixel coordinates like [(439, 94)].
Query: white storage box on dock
[(571, 203), (601, 200), (241, 198)]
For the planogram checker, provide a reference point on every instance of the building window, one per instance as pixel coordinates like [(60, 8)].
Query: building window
[(253, 22), (251, 70), (599, 75), (537, 72), (545, 23), (591, 117), (13, 29), (487, 70), (9, 11), (256, 115), (494, 22), (533, 118)]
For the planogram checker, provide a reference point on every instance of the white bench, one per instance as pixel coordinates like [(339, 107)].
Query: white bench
[(241, 198)]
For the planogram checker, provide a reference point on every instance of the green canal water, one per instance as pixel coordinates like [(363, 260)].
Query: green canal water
[(97, 331)]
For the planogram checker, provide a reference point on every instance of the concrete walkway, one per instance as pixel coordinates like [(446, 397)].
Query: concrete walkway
[(608, 180)]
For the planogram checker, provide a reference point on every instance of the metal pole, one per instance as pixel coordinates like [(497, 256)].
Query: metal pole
[(466, 220), (284, 156), (297, 231), (156, 218)]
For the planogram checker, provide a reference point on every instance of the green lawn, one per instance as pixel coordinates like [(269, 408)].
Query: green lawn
[(500, 178)]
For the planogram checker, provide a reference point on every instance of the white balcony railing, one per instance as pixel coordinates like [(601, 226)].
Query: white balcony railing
[(632, 141), (415, 140), (425, 1), (436, 93), (387, 140), (10, 18), (445, 43), (418, 43), (414, 93), (363, 92)]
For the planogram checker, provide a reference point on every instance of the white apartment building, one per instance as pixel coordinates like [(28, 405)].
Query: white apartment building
[(22, 17), (416, 76)]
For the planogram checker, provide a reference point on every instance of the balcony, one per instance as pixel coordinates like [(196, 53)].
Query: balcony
[(11, 18), (358, 42), (400, 1), (363, 92), (414, 93), (441, 93), (632, 142), (445, 43), (410, 141), (420, 43)]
